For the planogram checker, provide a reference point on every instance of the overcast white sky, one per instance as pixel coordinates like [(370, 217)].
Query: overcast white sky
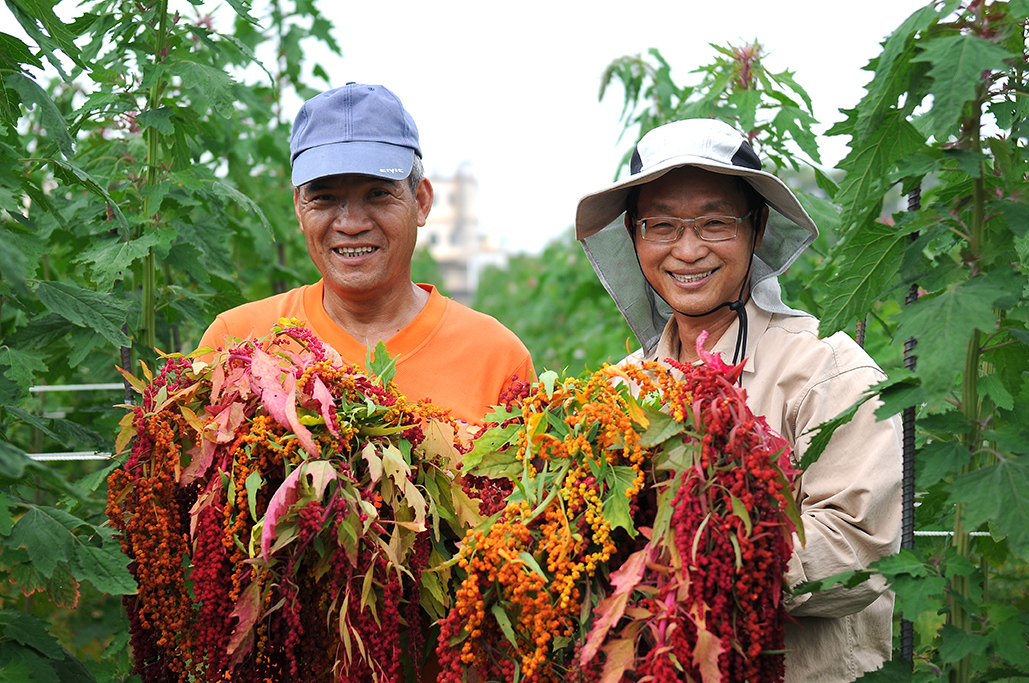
[(511, 88)]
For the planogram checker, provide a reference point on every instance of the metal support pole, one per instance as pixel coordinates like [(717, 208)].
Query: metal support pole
[(907, 521)]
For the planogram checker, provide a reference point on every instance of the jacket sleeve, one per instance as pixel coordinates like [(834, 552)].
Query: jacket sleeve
[(850, 499)]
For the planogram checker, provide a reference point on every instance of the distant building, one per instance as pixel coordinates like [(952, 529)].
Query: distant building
[(452, 235)]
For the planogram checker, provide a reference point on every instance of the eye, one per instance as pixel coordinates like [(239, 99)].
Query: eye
[(716, 222), (658, 224)]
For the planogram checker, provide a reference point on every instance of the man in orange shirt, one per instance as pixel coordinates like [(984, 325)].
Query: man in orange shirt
[(360, 196)]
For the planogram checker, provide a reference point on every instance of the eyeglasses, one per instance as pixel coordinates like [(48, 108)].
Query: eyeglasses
[(707, 228)]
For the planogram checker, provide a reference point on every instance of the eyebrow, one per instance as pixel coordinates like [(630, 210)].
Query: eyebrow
[(723, 205), (319, 184)]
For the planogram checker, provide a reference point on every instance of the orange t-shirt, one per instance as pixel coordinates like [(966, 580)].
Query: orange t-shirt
[(449, 354)]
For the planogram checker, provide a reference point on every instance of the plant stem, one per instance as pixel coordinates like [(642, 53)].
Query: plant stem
[(153, 144), (970, 405)]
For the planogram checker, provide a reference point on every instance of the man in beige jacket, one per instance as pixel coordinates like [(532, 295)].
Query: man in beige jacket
[(702, 235)]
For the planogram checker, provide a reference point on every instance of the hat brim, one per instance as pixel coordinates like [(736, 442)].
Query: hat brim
[(598, 209), (378, 159)]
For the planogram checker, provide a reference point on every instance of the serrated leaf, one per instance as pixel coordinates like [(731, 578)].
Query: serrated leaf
[(998, 494), (915, 595), (616, 505), (23, 365), (958, 66), (661, 428), (49, 115), (956, 644), (936, 460), (943, 325), (47, 540), (823, 433), (869, 163), (86, 308), (904, 562), (29, 631), (111, 259), (866, 267), (74, 174), (380, 364)]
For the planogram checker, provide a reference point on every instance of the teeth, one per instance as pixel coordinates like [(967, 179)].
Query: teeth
[(357, 251), (691, 278)]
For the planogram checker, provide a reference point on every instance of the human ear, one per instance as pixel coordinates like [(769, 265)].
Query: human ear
[(423, 199)]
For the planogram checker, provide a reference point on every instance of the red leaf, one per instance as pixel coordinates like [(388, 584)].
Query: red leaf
[(320, 472), (324, 398), (201, 457), (279, 400), (248, 609), (610, 610)]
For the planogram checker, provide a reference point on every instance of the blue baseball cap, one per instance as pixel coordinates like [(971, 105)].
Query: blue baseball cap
[(357, 128)]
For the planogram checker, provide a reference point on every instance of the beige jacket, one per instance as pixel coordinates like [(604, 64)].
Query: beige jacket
[(850, 499)]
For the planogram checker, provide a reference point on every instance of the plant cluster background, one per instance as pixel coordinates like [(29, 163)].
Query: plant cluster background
[(134, 191)]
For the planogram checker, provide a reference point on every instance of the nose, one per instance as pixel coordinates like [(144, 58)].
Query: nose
[(689, 247), (350, 218)]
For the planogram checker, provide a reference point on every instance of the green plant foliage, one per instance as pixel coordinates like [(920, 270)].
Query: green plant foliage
[(945, 111), (146, 189), (556, 305)]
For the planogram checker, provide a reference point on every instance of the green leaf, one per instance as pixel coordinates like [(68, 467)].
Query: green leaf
[(74, 174), (13, 460), (253, 484), (998, 494), (823, 432), (31, 632), (959, 63), (107, 569), (21, 365), (661, 428), (86, 308), (160, 119), (915, 595), (505, 623), (226, 191), (865, 267), (943, 325), (869, 163), (533, 564), (380, 364), (48, 541), (616, 506), (50, 117), (993, 386), (937, 459), (956, 644), (904, 562), (213, 84), (491, 444), (55, 34)]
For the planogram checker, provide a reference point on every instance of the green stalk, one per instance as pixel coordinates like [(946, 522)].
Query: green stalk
[(153, 146), (960, 590)]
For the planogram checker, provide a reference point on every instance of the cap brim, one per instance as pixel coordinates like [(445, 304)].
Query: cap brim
[(598, 209), (364, 158)]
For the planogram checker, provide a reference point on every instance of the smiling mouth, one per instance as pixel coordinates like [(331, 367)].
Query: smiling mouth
[(354, 251), (696, 277)]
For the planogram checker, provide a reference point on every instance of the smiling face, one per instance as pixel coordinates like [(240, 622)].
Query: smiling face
[(361, 233), (692, 275)]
